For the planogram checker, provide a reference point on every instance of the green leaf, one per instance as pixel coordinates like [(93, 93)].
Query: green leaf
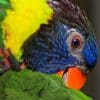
[(2, 14), (1, 39), (4, 4)]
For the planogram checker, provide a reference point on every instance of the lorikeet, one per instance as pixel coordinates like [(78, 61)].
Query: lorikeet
[(49, 36)]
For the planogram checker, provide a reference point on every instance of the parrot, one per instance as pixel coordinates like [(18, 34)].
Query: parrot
[(49, 36)]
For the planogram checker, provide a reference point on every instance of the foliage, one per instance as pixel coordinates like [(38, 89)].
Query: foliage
[(4, 4)]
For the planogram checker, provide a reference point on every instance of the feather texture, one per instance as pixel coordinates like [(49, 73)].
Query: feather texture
[(46, 51), (70, 13), (22, 20)]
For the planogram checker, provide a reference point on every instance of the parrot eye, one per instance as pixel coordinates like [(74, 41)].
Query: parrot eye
[(76, 42)]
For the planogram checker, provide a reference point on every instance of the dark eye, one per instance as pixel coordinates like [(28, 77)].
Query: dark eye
[(76, 42)]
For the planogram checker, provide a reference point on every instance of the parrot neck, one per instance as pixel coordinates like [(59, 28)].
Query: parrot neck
[(24, 20)]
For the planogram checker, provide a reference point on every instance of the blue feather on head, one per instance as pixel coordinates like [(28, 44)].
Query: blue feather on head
[(68, 41)]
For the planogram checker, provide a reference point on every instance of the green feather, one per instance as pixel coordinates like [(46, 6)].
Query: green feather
[(28, 85), (1, 39), (4, 4)]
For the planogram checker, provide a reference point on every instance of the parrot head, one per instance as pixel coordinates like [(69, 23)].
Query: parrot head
[(66, 46)]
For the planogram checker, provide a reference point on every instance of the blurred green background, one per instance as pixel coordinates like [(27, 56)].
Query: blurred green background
[(92, 8)]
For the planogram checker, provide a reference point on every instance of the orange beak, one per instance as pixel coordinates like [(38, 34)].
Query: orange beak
[(74, 78)]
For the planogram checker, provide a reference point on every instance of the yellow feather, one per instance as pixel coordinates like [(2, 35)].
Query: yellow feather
[(23, 20)]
